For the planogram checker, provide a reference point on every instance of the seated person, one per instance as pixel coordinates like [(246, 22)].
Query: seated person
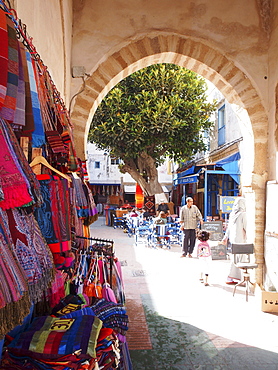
[(146, 214), (161, 218), (133, 213), (163, 207)]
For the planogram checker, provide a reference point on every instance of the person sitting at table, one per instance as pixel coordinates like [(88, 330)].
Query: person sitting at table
[(133, 213), (163, 207), (161, 219), (146, 214)]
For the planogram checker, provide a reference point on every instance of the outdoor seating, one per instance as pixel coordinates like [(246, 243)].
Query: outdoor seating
[(118, 222), (160, 236)]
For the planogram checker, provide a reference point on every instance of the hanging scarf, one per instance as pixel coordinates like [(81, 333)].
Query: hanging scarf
[(34, 186), (19, 117), (9, 107), (53, 215), (13, 182), (38, 136), (32, 252), (29, 118), (14, 298), (3, 57)]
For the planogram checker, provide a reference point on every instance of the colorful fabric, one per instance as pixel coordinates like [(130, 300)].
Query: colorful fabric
[(38, 136), (68, 304), (12, 180), (12, 276), (54, 215), (3, 57), (51, 338), (31, 251), (57, 290), (8, 110), (34, 186), (19, 117), (113, 315), (14, 297), (29, 118), (55, 142)]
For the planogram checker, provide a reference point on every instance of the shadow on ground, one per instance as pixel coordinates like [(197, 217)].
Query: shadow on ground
[(178, 346)]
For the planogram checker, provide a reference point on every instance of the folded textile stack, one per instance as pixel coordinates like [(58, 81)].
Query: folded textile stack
[(113, 315), (50, 342)]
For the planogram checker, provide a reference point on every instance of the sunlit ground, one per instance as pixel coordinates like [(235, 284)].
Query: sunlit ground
[(176, 293)]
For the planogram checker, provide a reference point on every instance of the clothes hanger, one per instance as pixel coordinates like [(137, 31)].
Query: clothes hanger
[(41, 160)]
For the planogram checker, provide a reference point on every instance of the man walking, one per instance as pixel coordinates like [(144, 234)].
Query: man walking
[(189, 217)]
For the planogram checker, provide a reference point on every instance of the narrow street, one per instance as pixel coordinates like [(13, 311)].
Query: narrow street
[(177, 323)]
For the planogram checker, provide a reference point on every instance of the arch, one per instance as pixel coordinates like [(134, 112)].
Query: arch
[(207, 62)]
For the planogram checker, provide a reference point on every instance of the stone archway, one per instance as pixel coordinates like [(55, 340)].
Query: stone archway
[(202, 59)]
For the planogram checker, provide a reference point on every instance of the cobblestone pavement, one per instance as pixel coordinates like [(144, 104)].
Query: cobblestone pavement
[(177, 323)]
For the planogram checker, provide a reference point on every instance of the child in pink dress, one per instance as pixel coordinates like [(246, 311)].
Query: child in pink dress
[(204, 254)]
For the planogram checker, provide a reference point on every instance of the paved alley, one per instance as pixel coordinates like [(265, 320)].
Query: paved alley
[(177, 323)]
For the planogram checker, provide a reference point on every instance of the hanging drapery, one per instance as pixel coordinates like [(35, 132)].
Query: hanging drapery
[(8, 109), (3, 58), (139, 196), (53, 216), (14, 184)]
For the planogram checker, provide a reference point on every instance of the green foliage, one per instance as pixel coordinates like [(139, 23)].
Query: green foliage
[(160, 110)]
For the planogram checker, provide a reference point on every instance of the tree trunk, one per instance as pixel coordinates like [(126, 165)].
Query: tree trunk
[(146, 165)]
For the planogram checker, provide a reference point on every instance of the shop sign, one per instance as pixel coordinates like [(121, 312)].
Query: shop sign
[(186, 180), (226, 203)]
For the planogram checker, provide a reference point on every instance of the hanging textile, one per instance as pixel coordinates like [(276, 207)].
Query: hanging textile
[(13, 182), (14, 298), (3, 57), (34, 186), (19, 117), (38, 136), (139, 196), (54, 215), (8, 109), (31, 251)]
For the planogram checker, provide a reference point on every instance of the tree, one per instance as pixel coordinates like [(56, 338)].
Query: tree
[(156, 112)]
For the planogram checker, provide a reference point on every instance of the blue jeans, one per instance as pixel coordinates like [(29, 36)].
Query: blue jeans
[(189, 238)]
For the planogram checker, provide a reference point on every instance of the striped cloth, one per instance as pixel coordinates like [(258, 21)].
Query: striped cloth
[(38, 136), (52, 337), (19, 118), (3, 57), (8, 110)]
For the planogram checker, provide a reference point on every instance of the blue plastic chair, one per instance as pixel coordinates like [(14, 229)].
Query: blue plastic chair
[(160, 236)]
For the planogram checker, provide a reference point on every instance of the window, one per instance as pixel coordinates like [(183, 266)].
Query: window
[(115, 161), (97, 164), (221, 125)]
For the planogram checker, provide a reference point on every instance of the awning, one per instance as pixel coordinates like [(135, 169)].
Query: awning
[(230, 165)]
